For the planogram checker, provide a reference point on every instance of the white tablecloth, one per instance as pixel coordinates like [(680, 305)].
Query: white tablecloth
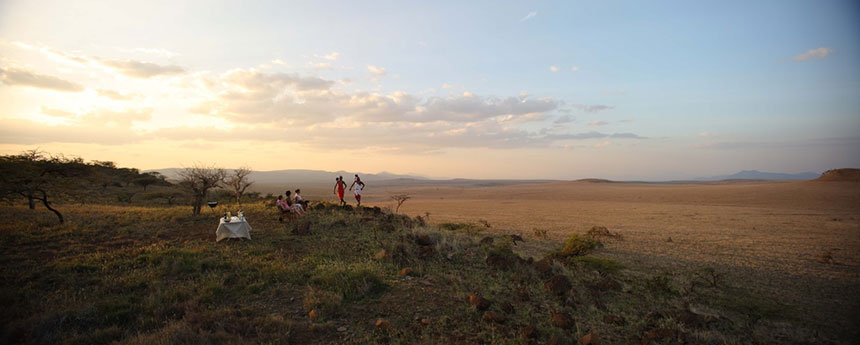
[(235, 228)]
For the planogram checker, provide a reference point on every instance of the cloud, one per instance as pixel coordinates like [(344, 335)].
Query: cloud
[(574, 68), (319, 65), (598, 123), (161, 52), (564, 119), (447, 86), (814, 54), (140, 69), (595, 108), (594, 135), (56, 112), (529, 16), (376, 70), (20, 77), (553, 68), (117, 96), (601, 144), (330, 56)]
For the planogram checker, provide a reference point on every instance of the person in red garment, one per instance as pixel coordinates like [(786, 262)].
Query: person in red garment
[(339, 188)]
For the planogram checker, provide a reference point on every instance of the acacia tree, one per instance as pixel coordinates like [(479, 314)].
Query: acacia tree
[(199, 180), (238, 182), (400, 199), (37, 176)]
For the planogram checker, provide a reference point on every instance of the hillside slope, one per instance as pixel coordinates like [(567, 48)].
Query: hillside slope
[(130, 275)]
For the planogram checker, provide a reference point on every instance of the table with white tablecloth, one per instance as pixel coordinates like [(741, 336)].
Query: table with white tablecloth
[(235, 228)]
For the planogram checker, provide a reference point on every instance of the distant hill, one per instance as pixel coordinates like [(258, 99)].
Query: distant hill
[(850, 175), (301, 176), (760, 175)]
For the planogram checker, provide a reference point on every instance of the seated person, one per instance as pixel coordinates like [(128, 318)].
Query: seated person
[(300, 200), (296, 208), (283, 208)]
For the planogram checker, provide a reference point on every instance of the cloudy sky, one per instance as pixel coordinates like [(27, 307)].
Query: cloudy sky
[(624, 90)]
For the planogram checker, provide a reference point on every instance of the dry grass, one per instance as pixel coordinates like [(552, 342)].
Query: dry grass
[(771, 236)]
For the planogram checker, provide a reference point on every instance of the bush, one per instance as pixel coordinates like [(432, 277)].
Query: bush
[(579, 245), (322, 302), (351, 281)]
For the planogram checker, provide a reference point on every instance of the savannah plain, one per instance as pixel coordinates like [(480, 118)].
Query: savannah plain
[(797, 243)]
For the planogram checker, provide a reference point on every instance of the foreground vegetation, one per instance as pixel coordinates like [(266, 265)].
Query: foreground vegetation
[(136, 275)]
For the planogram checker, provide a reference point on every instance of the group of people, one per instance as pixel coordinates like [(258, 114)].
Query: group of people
[(292, 205), (357, 186)]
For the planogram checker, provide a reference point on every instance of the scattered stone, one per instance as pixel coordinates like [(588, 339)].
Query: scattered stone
[(423, 240), (497, 261), (479, 302), (384, 325), (341, 329), (425, 321), (313, 315), (590, 339), (613, 319), (406, 271), (657, 335), (544, 266), (528, 332), (562, 320), (558, 285), (381, 255), (495, 317)]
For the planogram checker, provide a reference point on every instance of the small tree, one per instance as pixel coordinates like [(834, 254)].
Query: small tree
[(147, 179), (199, 180), (237, 181), (400, 199), (37, 176)]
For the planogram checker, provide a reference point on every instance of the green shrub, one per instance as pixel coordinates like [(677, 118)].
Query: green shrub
[(577, 245), (602, 265), (352, 281)]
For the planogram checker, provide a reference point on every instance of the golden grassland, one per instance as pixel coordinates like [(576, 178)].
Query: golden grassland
[(747, 264), (796, 241)]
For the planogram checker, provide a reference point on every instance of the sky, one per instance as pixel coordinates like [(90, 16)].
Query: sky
[(625, 90)]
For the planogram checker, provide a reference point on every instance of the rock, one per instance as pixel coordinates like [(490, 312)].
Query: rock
[(479, 302), (423, 240), (313, 315), (384, 325), (590, 339), (613, 319), (562, 320), (406, 271), (658, 335), (491, 316), (302, 229), (425, 321), (425, 252), (528, 332), (341, 329), (544, 266), (381, 255), (507, 307), (497, 261), (558, 285)]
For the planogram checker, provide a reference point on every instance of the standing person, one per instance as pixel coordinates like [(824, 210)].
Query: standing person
[(339, 187), (358, 187)]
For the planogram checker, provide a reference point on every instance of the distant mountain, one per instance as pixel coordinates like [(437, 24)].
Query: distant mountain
[(301, 176), (760, 175)]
